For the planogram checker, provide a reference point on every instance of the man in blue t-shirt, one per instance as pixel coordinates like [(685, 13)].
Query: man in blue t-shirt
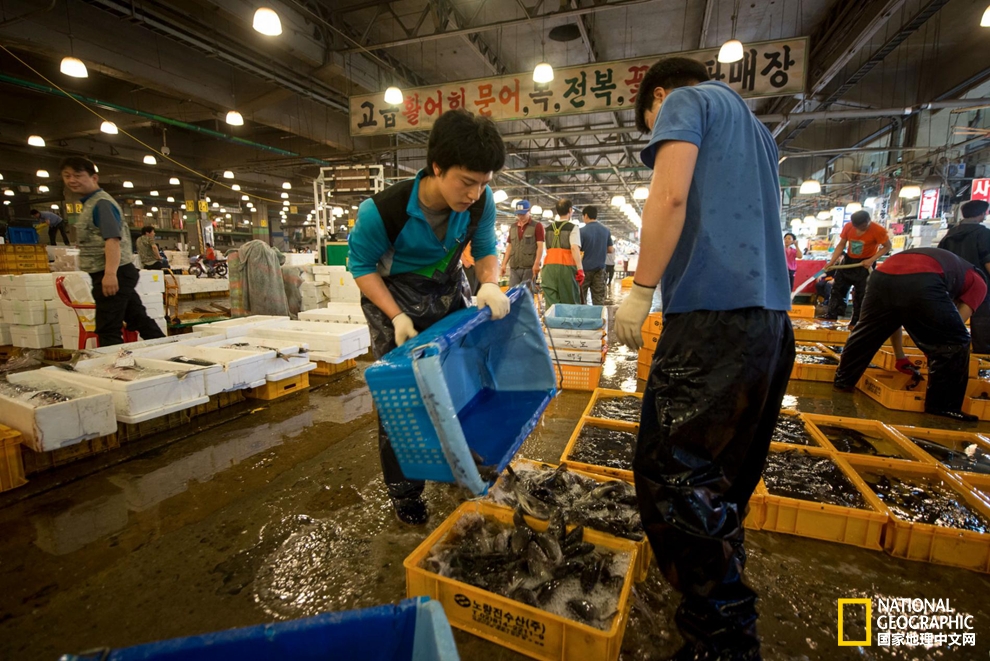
[(596, 242), (711, 234)]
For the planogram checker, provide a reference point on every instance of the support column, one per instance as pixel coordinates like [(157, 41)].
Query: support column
[(260, 230), (193, 219)]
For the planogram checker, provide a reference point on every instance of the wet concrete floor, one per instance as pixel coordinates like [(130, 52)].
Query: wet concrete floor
[(279, 512)]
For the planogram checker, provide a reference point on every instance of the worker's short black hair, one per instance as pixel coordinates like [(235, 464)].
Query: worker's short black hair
[(78, 164), (669, 73), (974, 208), (860, 219), (790, 234), (35, 212), (147, 229), (564, 207), (209, 245), (461, 139), (591, 211)]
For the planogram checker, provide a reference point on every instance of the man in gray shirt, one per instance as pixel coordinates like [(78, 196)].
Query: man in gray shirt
[(55, 224)]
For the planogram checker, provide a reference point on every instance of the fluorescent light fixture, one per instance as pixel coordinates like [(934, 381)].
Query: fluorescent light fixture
[(36, 141), (641, 193), (731, 51), (910, 192), (285, 196), (42, 174), (174, 181), (182, 206), (150, 160), (810, 220), (354, 206), (109, 128), (42, 189), (500, 196), (618, 201), (393, 96), (55, 206), (985, 21), (73, 66), (128, 184), (853, 207), (245, 198), (870, 202), (227, 174), (138, 203), (8, 192), (536, 211), (824, 215), (170, 199), (543, 73), (515, 201), (285, 203), (286, 185), (235, 187), (216, 205), (148, 214), (795, 223), (153, 193), (810, 187), (208, 199), (6, 202), (154, 209), (547, 213), (266, 22), (234, 118)]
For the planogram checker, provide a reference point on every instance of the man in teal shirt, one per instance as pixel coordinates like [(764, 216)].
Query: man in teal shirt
[(405, 249)]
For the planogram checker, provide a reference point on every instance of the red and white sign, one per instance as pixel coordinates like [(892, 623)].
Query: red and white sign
[(981, 189), (929, 204)]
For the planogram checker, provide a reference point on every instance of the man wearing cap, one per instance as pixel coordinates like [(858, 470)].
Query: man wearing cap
[(970, 239), (524, 249)]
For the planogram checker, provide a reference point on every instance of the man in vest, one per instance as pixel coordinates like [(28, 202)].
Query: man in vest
[(524, 249), (405, 252), (563, 273), (931, 293), (105, 253), (970, 239)]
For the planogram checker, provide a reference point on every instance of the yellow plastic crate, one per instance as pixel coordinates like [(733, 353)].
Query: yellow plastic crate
[(886, 360), (11, 459), (925, 542), (908, 451), (645, 355), (650, 341), (813, 431), (812, 371), (801, 312), (653, 324), (578, 377), (977, 400), (606, 393), (533, 631), (275, 389), (889, 389), (627, 282), (642, 371), (827, 522), (950, 439), (757, 512), (329, 369), (607, 471), (980, 484)]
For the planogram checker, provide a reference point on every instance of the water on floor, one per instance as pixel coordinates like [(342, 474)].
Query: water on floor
[(280, 512)]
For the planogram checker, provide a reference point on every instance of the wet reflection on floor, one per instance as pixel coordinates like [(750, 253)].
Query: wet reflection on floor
[(282, 514)]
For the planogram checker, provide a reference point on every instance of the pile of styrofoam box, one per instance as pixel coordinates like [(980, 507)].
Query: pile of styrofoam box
[(190, 284), (314, 295), (579, 347), (343, 289), (336, 313), (299, 258), (151, 289), (63, 258), (29, 313), (327, 342), (177, 260)]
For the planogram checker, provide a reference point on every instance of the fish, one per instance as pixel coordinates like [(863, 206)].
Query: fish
[(922, 500), (547, 589), (185, 360), (625, 409), (796, 474), (488, 473), (526, 596), (791, 429), (550, 546), (585, 610), (604, 447), (593, 573), (537, 562), (532, 506)]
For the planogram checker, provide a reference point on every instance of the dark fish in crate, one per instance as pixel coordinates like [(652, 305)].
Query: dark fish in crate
[(795, 474), (972, 458), (791, 429), (604, 447), (587, 611), (625, 409), (854, 441), (922, 500), (525, 596)]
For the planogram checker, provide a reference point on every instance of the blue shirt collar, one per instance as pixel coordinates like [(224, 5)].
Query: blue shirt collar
[(83, 200)]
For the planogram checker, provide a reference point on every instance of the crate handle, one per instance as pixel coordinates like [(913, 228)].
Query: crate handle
[(439, 406)]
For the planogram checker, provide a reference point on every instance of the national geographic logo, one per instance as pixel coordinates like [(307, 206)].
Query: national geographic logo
[(868, 604), (904, 622)]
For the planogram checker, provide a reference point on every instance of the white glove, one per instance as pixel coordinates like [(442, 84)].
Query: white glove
[(404, 330), (489, 294), (632, 315)]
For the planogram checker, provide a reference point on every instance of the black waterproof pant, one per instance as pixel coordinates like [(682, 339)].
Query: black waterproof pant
[(979, 325), (844, 279), (124, 306), (709, 411), (921, 304), (60, 228)]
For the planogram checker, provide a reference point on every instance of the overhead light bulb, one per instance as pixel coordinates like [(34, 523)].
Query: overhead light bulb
[(154, 209), (354, 206), (6, 202), (73, 66), (500, 196), (731, 51), (515, 201), (128, 184), (234, 118), (182, 206), (810, 187), (618, 201), (55, 207), (641, 193), (809, 220), (170, 199), (235, 187), (174, 181), (42, 189), (393, 96), (153, 193), (36, 141), (216, 205), (985, 21), (795, 223), (285, 196), (245, 198), (139, 203), (824, 215), (285, 203), (537, 211), (148, 214), (227, 174), (286, 185), (150, 160), (870, 202), (8, 192), (910, 192), (853, 207), (208, 199), (547, 213), (42, 174), (543, 73), (109, 128), (266, 22)]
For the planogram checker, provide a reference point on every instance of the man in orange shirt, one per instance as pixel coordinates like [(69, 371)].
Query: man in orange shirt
[(861, 242)]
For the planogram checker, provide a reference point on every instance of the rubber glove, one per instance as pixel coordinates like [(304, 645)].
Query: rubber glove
[(404, 329), (905, 366), (632, 315), (580, 277), (489, 294)]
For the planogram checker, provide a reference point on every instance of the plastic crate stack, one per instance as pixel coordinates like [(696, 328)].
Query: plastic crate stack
[(651, 338), (814, 362), (18, 259), (28, 310), (577, 336)]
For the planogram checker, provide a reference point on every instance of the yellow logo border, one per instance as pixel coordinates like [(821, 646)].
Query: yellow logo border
[(869, 623)]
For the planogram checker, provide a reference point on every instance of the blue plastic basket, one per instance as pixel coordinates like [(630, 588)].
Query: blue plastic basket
[(22, 235), (575, 317), (412, 630), (466, 384)]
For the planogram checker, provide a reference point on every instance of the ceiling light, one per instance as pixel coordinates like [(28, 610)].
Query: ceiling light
[(515, 201), (985, 21), (393, 96), (824, 215), (338, 211), (216, 205), (1, 177), (182, 206), (208, 199), (286, 185), (536, 211), (6, 202), (150, 160), (285, 203), (285, 196), (8, 192), (543, 73), (36, 141), (547, 213), (245, 198), (73, 66), (731, 51), (235, 187), (109, 127), (245, 222), (618, 201), (266, 22), (354, 206), (155, 209), (170, 199), (234, 118), (55, 206), (853, 207), (128, 184), (148, 214), (227, 174), (809, 220), (153, 193), (810, 187), (500, 196), (138, 203), (910, 192), (641, 193), (795, 223), (42, 189), (174, 181), (42, 174), (870, 202)]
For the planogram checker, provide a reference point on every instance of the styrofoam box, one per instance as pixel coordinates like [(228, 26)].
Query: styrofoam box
[(326, 269), (5, 338), (279, 355), (214, 377), (36, 337), (344, 293), (299, 259), (572, 356), (57, 425), (238, 326), (191, 339), (142, 399), (572, 334), (289, 372), (151, 282), (154, 304), (240, 369), (29, 313), (336, 313), (576, 344), (336, 339)]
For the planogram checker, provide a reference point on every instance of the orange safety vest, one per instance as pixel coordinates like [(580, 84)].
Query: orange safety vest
[(559, 244)]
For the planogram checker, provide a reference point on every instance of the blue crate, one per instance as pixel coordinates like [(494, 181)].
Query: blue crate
[(412, 630), (465, 384), (22, 235), (574, 317)]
